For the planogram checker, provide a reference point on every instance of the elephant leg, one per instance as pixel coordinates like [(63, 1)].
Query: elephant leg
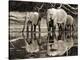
[(72, 27), (61, 27), (49, 33), (39, 31), (49, 29), (66, 27), (53, 32), (59, 37), (28, 41), (39, 39), (71, 30), (34, 32), (58, 26), (27, 31), (31, 33)]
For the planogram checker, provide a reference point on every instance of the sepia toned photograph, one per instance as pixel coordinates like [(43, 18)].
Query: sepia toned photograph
[(42, 29)]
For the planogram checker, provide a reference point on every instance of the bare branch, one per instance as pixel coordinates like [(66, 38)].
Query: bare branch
[(40, 7), (52, 5), (72, 7), (70, 10), (60, 6)]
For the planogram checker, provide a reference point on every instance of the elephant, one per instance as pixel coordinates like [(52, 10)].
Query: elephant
[(69, 23), (59, 17)]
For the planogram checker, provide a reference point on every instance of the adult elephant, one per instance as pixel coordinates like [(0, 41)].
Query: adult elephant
[(59, 17), (69, 23)]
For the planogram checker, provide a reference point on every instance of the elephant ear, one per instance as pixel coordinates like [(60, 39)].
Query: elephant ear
[(61, 15)]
